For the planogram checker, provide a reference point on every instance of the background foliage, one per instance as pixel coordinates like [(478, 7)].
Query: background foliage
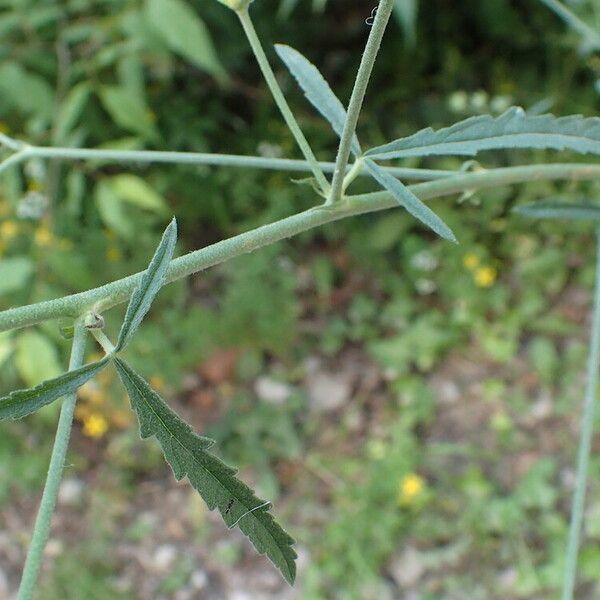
[(456, 370)]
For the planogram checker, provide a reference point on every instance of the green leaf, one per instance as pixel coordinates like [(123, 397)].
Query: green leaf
[(188, 455), (15, 272), (557, 209), (409, 201), (513, 129), (21, 403), (110, 208), (70, 111), (26, 91), (406, 14), (36, 358), (151, 282), (183, 32), (316, 90), (128, 109), (136, 191)]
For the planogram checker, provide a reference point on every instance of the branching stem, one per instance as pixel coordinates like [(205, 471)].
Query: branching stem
[(280, 100), (102, 298), (585, 441), (358, 95), (196, 158), (57, 461)]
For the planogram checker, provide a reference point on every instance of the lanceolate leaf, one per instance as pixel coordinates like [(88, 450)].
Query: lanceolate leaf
[(557, 209), (24, 402), (409, 201), (151, 282), (513, 129), (188, 455), (317, 90)]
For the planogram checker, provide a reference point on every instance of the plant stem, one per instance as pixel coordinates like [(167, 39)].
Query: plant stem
[(384, 10), (573, 21), (102, 298), (585, 442), (280, 100), (57, 461), (103, 340), (198, 158)]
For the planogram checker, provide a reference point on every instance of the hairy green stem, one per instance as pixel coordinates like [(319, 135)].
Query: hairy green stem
[(384, 10), (280, 100), (103, 340), (102, 298), (198, 158), (57, 461), (585, 441)]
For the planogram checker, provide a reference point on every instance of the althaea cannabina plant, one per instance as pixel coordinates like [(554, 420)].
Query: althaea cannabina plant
[(187, 453)]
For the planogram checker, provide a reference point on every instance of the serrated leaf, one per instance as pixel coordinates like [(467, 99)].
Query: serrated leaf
[(316, 90), (184, 32), (557, 209), (409, 201), (187, 454), (513, 129), (151, 282), (21, 403)]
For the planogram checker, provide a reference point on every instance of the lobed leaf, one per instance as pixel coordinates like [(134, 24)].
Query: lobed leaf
[(513, 129), (558, 209), (409, 201), (150, 284), (21, 403), (187, 454), (316, 90)]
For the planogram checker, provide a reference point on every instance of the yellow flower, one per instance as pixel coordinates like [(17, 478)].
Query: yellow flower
[(113, 254), (410, 488), (470, 261), (9, 229), (95, 426), (43, 236), (485, 276)]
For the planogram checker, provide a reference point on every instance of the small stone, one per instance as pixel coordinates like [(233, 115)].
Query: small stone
[(3, 584), (164, 557), (54, 548), (71, 491), (408, 567), (199, 579), (328, 391), (272, 391)]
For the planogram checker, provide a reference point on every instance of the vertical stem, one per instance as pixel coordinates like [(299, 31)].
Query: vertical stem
[(585, 442), (367, 62), (57, 461), (280, 100)]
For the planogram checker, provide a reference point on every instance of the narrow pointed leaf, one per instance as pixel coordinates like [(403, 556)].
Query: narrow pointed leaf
[(188, 455), (150, 284), (21, 403), (557, 209), (513, 129), (316, 90), (409, 201)]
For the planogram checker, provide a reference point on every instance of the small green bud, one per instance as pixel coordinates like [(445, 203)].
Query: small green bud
[(236, 5)]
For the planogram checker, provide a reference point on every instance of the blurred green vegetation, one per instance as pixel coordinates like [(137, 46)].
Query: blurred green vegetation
[(113, 73)]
